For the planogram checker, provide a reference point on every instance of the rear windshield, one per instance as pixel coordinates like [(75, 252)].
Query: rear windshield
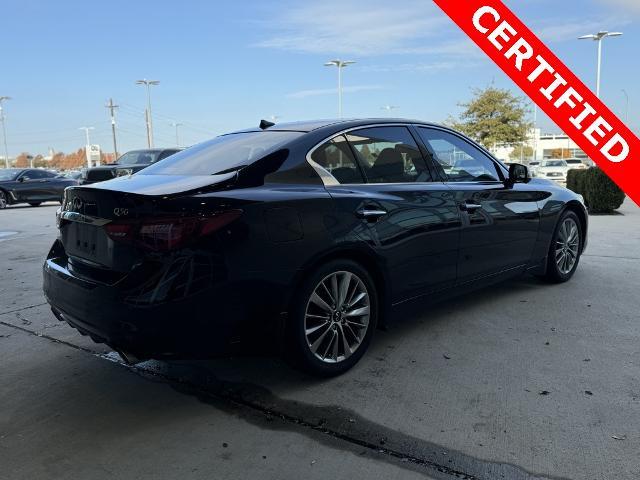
[(222, 154)]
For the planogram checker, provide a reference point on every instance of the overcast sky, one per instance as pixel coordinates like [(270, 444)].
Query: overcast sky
[(223, 65)]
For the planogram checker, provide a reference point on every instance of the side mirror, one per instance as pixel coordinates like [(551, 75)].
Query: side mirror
[(518, 173), (22, 179)]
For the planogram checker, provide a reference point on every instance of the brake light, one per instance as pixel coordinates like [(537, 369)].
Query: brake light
[(164, 234)]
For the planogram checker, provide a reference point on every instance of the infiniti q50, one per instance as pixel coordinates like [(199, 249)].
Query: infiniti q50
[(304, 236)]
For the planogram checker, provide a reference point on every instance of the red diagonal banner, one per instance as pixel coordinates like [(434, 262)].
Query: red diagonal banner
[(552, 86)]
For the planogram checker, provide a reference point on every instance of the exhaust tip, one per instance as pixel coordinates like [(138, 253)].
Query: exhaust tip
[(129, 358)]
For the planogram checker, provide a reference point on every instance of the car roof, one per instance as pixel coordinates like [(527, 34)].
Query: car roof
[(311, 125)]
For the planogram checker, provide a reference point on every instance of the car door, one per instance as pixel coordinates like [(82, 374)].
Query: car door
[(25, 188), (500, 220), (389, 198), (35, 185)]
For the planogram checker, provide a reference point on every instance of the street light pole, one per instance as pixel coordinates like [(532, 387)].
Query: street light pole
[(4, 132), (598, 37), (176, 125), (149, 121), (111, 108), (340, 64), (86, 151)]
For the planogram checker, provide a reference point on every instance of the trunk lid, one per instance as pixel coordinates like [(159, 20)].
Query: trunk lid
[(89, 211)]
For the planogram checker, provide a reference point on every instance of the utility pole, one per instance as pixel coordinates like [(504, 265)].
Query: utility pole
[(86, 151), (4, 132), (111, 108), (176, 125), (626, 112)]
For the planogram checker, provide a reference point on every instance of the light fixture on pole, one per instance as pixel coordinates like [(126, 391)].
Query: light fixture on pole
[(389, 108), (88, 146), (598, 37), (4, 132), (176, 125), (340, 64), (148, 84)]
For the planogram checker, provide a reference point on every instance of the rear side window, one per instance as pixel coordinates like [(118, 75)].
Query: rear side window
[(389, 155), (335, 156), (458, 160), (222, 154)]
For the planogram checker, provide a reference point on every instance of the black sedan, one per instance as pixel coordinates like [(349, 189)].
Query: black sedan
[(301, 235), (127, 164), (32, 186)]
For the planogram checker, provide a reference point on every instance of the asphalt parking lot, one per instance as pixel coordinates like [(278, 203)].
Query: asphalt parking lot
[(520, 381)]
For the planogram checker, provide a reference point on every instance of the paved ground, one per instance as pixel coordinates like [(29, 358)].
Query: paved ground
[(455, 392)]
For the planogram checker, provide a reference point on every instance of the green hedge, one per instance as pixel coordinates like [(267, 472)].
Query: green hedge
[(600, 194)]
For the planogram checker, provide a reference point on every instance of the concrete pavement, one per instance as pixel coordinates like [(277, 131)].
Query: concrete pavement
[(457, 391)]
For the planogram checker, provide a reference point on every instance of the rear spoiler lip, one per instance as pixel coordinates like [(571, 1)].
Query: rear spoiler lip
[(161, 185)]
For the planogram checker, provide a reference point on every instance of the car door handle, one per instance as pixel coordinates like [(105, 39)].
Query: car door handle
[(470, 207), (370, 213)]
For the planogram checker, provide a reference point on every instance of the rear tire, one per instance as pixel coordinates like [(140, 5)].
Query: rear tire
[(35, 204), (565, 249), (3, 200), (332, 319)]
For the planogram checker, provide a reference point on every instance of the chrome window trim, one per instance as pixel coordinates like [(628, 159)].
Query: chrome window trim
[(330, 181)]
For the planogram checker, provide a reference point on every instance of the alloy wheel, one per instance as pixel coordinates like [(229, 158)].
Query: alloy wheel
[(337, 316), (567, 245), (3, 200)]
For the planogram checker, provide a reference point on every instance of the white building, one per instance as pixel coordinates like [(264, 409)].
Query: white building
[(544, 146)]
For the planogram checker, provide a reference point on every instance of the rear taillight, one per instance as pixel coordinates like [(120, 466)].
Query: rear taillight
[(164, 234)]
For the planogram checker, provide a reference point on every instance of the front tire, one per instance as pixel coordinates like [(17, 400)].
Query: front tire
[(565, 249), (3, 200), (332, 319)]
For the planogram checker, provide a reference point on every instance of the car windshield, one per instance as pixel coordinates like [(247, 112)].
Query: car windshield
[(142, 157), (222, 154), (556, 163), (573, 161), (9, 173)]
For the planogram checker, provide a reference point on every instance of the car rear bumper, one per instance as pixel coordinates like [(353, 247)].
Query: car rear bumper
[(140, 316)]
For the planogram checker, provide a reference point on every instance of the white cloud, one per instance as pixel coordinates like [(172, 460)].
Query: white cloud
[(332, 91), (632, 6), (557, 31), (423, 67), (354, 27)]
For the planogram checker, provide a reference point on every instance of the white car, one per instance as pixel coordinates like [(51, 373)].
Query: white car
[(575, 164), (555, 170)]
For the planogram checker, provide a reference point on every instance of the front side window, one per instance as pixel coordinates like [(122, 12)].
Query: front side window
[(459, 160), (335, 157), (388, 155), (35, 174), (222, 154)]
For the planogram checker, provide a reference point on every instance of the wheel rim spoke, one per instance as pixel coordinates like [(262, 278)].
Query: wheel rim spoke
[(337, 316), (567, 246)]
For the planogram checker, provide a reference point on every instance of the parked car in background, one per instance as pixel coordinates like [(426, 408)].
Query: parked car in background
[(296, 238), (575, 164), (32, 186), (129, 163), (73, 174), (555, 170), (533, 166)]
